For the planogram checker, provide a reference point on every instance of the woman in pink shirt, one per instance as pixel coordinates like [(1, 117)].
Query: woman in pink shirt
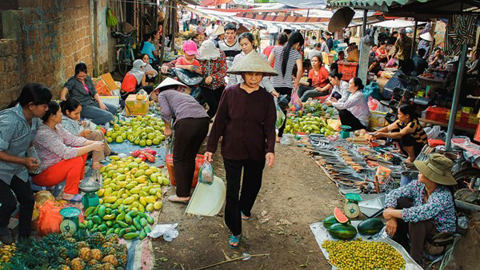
[(62, 155)]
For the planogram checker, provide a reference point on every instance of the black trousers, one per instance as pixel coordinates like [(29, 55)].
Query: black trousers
[(283, 91), (8, 203), (189, 136), (347, 118), (147, 88), (412, 236), (252, 181), (212, 98)]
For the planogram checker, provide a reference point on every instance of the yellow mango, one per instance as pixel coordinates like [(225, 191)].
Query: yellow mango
[(108, 191), (101, 192), (157, 205), (143, 201)]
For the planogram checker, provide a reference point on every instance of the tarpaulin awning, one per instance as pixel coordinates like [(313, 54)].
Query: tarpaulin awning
[(318, 4), (214, 2), (396, 23), (367, 3)]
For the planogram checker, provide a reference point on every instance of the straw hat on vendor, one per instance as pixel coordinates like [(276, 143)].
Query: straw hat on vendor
[(169, 84), (438, 169), (252, 63)]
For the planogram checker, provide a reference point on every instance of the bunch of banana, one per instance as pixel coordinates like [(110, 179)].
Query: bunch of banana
[(112, 21)]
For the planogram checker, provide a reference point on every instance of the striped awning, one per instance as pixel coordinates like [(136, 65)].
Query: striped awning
[(371, 3)]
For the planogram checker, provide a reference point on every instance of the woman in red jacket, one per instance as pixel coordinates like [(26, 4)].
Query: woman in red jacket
[(317, 84)]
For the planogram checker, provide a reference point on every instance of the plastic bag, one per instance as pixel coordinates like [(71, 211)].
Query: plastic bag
[(49, 219), (296, 101), (391, 62), (280, 115), (433, 133), (206, 174)]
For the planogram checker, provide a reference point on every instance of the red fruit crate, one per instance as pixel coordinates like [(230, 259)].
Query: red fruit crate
[(349, 70)]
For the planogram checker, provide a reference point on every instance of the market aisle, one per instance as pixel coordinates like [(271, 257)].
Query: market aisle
[(294, 194)]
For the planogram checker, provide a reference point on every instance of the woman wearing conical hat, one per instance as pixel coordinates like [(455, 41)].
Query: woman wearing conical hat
[(423, 208), (246, 121)]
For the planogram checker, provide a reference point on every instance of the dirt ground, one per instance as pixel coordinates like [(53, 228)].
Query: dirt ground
[(295, 193)]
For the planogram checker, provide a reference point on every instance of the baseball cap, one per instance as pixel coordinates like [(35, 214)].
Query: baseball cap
[(190, 47)]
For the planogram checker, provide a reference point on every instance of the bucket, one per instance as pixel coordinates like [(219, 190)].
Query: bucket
[(198, 163)]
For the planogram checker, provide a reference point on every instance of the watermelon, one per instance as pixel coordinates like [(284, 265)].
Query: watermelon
[(370, 226), (339, 215), (329, 221), (342, 231)]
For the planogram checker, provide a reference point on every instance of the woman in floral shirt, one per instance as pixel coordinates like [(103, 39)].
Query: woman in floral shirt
[(214, 69), (422, 208)]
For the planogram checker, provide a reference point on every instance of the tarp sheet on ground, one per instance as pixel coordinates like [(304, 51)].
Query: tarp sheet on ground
[(322, 235)]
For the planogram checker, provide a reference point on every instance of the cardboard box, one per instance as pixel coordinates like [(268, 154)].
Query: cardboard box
[(133, 106)]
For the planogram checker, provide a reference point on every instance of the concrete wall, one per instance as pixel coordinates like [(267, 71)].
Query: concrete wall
[(51, 38)]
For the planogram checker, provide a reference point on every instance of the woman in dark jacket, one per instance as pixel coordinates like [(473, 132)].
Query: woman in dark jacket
[(246, 121)]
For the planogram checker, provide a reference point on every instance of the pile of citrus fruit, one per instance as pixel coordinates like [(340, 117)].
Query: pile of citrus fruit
[(359, 254), (143, 131)]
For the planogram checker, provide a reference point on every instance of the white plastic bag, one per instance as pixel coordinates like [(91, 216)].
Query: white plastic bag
[(206, 174)]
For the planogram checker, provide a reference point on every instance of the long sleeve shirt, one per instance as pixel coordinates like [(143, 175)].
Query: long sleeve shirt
[(342, 89), (16, 135), (236, 79), (439, 206), (72, 126), (357, 105), (217, 69), (55, 145), (179, 106), (246, 121)]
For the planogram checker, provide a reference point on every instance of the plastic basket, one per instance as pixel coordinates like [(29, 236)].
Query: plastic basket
[(349, 70), (198, 164)]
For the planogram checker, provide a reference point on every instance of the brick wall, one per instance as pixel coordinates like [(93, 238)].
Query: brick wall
[(51, 38), (9, 74)]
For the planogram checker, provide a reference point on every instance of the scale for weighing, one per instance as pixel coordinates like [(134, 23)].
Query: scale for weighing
[(345, 132), (351, 208), (90, 198), (69, 225)]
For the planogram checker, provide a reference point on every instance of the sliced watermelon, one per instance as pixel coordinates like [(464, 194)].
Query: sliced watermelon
[(339, 215)]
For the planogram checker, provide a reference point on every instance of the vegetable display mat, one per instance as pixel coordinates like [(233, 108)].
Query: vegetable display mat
[(322, 235)]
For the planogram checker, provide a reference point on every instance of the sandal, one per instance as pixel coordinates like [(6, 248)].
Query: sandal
[(245, 217), (234, 241)]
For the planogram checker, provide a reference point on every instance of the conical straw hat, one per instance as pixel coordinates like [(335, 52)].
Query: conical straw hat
[(252, 62)]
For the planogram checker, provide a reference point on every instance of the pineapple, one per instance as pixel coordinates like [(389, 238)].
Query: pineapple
[(108, 251), (97, 267), (107, 244), (121, 258), (97, 238), (62, 252), (96, 254), (84, 254), (77, 264), (93, 262), (121, 248), (110, 259), (81, 244), (71, 240), (112, 238), (108, 266), (63, 267)]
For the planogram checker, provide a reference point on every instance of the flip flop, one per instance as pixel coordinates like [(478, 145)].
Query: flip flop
[(77, 198), (234, 241), (245, 217)]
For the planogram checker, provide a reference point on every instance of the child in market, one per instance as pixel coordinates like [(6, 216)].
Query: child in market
[(188, 61), (71, 110)]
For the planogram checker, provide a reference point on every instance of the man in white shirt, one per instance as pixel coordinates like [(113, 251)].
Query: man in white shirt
[(186, 18), (273, 34)]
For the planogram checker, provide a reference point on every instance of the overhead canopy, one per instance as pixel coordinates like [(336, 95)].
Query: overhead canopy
[(318, 4), (365, 4), (397, 23), (419, 9)]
